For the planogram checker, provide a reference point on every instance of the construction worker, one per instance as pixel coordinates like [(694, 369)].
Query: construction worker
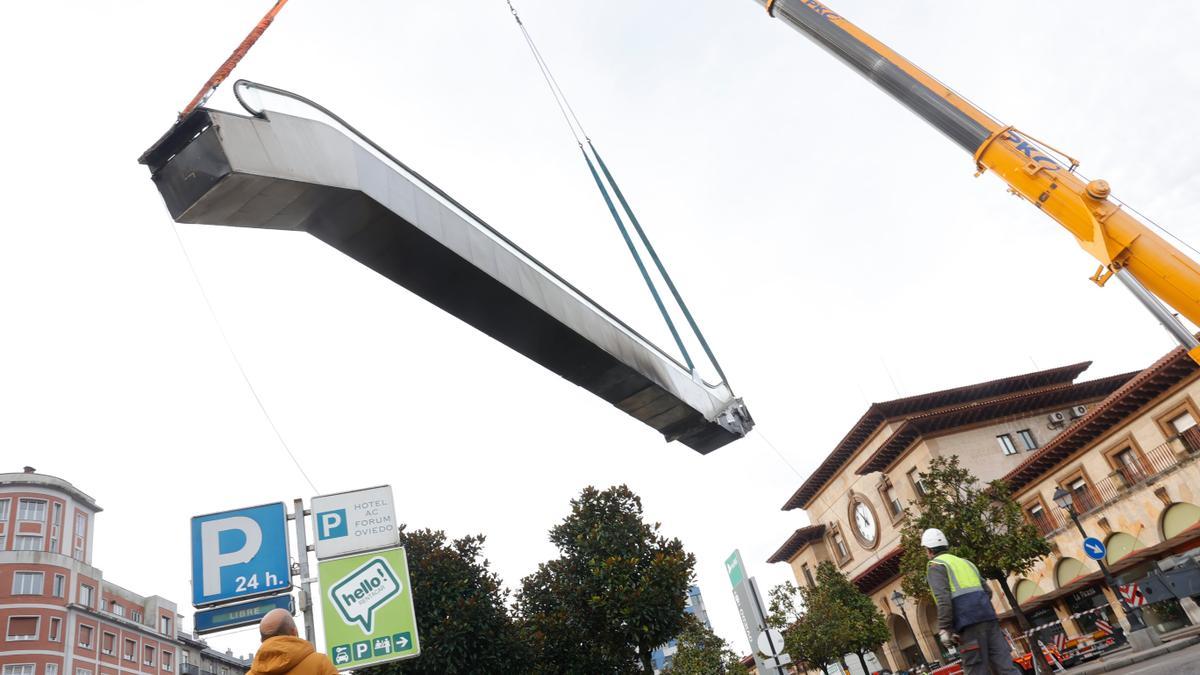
[(964, 607)]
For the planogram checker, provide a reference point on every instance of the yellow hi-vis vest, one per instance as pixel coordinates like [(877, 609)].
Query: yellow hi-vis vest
[(969, 599)]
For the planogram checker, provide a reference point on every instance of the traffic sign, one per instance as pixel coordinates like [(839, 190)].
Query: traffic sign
[(770, 642), (240, 614), (735, 569), (1132, 595), (355, 521), (240, 554), (1094, 548), (368, 606)]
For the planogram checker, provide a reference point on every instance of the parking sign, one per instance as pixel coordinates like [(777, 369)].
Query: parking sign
[(239, 554), (355, 521), (368, 607)]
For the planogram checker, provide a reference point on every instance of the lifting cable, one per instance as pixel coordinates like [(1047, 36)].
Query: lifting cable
[(230, 63), (580, 135)]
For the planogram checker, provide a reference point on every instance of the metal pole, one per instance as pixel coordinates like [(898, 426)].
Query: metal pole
[(306, 607), (1168, 320), (763, 616), (1133, 614)]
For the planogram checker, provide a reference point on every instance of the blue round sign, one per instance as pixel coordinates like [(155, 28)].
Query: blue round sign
[(1094, 548)]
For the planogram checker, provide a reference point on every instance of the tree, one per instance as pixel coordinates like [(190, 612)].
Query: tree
[(699, 651), (465, 623), (616, 591), (982, 523), (837, 619)]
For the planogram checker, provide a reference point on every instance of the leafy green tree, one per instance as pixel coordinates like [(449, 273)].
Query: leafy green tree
[(465, 623), (828, 620), (699, 651), (983, 524), (616, 591)]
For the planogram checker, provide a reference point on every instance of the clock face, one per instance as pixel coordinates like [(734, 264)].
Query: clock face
[(864, 521)]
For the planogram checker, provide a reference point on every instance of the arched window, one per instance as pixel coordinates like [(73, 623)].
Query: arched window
[(1025, 590), (1068, 570), (1121, 544), (1179, 517)]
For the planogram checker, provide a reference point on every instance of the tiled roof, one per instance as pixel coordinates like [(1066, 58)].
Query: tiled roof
[(1022, 403), (883, 571), (878, 413), (1143, 388), (799, 539)]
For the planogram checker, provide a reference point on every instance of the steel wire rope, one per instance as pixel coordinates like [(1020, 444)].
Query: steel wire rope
[(564, 105), (243, 83), (238, 362)]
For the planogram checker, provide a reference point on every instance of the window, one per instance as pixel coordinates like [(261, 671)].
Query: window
[(118, 610), (166, 661), (808, 575), (60, 583), (22, 628), (135, 615), (27, 542), (55, 629), (85, 595), (183, 659), (1027, 439), (130, 652), (4, 510), (1129, 466), (148, 655), (82, 671), (914, 477), (27, 583), (108, 643), (51, 669), (80, 536), (1182, 422), (1006, 444), (31, 509), (839, 545), (893, 502), (164, 625), (85, 636), (21, 669), (55, 527)]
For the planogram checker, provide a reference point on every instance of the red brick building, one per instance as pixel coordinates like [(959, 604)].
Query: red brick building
[(58, 614)]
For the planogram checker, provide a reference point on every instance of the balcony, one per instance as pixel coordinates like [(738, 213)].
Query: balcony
[(189, 669), (1137, 470), (1044, 522)]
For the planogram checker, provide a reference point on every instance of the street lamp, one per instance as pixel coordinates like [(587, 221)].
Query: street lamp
[(898, 598), (1066, 501)]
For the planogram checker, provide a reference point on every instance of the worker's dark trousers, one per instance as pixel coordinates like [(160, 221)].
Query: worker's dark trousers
[(984, 650)]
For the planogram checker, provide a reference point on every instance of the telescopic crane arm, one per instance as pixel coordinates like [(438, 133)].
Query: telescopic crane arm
[(1152, 268)]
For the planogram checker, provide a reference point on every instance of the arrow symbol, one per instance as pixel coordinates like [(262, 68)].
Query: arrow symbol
[(403, 643)]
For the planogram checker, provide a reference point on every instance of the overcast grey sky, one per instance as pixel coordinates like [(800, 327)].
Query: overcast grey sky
[(823, 235)]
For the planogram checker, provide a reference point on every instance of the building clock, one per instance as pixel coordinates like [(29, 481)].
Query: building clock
[(865, 524)]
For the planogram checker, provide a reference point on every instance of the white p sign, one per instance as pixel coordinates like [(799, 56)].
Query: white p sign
[(239, 554), (210, 548)]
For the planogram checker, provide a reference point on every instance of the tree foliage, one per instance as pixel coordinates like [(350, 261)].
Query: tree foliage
[(826, 621), (699, 651), (616, 591), (465, 623), (983, 524)]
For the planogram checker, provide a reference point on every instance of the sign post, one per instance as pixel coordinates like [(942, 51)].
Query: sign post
[(754, 620), (302, 548), (367, 603)]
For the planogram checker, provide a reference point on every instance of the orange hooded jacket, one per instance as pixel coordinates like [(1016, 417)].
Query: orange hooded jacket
[(287, 655)]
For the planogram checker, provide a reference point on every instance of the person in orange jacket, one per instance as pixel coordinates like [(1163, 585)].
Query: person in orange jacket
[(284, 653)]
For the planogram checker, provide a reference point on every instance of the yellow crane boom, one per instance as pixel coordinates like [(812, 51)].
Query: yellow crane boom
[(1146, 263)]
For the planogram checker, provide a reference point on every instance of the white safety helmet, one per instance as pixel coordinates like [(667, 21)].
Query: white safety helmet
[(934, 538)]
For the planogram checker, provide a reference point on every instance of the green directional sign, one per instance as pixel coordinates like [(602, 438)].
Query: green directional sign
[(368, 607), (735, 569)]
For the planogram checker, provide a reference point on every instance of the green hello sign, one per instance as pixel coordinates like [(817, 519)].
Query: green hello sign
[(368, 607)]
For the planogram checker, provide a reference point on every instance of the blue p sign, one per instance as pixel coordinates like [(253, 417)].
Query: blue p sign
[(239, 554), (331, 524)]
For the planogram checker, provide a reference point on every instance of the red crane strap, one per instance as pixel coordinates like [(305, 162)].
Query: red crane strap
[(230, 63)]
